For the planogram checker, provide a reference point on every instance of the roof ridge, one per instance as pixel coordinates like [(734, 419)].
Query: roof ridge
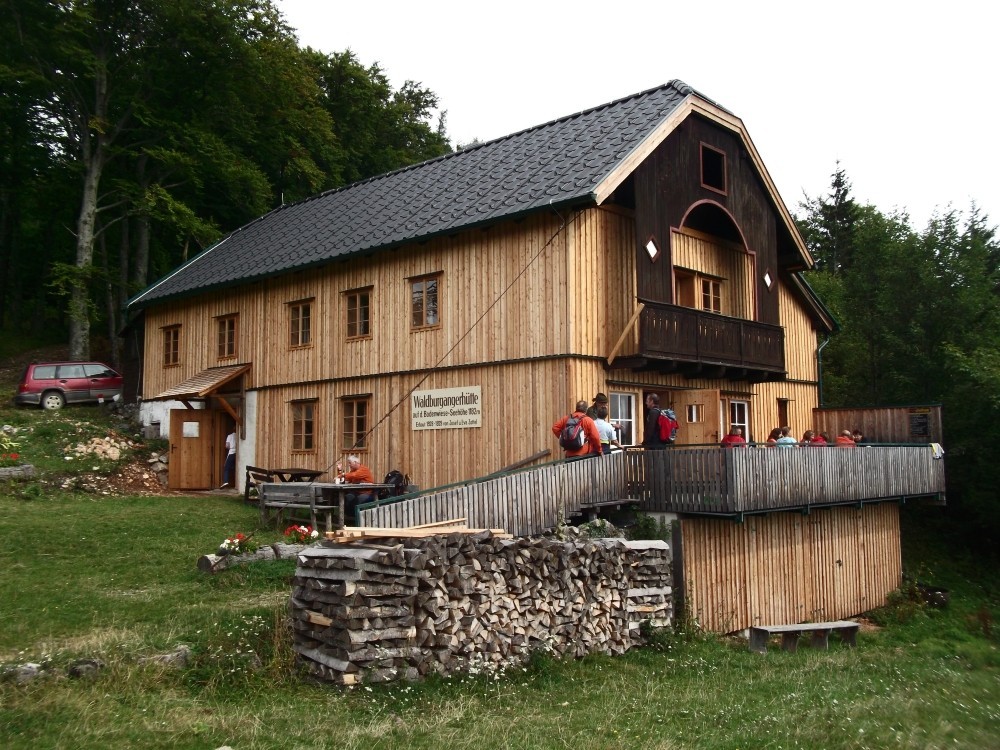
[(556, 163), (675, 83)]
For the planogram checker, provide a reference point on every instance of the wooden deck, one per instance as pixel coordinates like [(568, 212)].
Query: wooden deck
[(689, 480)]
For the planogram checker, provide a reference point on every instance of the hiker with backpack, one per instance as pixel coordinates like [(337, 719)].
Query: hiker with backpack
[(578, 435), (661, 425)]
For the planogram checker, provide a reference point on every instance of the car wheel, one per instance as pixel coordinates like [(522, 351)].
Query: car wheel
[(53, 400)]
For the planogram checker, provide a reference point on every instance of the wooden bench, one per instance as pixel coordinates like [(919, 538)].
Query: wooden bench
[(255, 477), (295, 498), (759, 634)]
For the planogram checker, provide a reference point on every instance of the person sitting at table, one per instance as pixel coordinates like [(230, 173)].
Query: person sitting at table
[(358, 474)]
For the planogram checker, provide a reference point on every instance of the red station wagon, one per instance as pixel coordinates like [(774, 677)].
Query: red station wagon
[(52, 385)]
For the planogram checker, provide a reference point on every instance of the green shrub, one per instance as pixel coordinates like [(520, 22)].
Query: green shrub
[(648, 527)]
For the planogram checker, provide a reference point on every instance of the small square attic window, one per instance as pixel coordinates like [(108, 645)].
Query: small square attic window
[(713, 168)]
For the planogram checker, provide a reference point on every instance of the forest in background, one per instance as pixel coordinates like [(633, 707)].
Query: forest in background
[(919, 323), (136, 133)]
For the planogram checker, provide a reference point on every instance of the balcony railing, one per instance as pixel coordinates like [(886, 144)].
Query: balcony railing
[(682, 334), (750, 480), (703, 480)]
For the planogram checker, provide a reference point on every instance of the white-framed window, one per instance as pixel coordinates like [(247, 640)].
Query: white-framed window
[(622, 412), (739, 416), (695, 413)]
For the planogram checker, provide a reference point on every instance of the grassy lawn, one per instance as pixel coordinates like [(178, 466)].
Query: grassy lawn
[(87, 575)]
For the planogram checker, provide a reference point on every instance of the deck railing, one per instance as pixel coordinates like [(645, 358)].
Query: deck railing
[(685, 334), (750, 480), (709, 480)]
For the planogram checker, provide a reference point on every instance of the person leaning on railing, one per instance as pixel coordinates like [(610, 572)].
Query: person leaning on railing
[(786, 440), (734, 439), (592, 442), (845, 440)]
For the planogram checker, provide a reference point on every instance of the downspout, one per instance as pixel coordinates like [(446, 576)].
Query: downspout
[(819, 365)]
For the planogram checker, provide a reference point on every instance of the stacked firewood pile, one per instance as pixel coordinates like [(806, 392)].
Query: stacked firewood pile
[(401, 607), (650, 594)]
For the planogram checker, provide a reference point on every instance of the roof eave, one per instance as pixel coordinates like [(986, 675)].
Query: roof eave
[(136, 303)]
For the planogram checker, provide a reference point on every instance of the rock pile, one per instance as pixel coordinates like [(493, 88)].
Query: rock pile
[(109, 447)]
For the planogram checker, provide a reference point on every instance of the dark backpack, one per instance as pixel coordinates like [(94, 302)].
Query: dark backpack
[(572, 437), (399, 482), (667, 426)]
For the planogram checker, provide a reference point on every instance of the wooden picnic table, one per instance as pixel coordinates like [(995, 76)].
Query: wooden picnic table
[(296, 475), (314, 497), (338, 490)]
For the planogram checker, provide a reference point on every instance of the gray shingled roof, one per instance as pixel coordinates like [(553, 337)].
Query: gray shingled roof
[(559, 163)]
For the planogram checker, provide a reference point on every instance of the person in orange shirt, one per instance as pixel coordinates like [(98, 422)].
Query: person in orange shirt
[(358, 474), (844, 440), (592, 438)]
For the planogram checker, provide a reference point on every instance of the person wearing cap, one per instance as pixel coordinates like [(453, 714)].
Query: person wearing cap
[(599, 400)]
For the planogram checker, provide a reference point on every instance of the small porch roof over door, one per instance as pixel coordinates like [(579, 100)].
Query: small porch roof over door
[(205, 383)]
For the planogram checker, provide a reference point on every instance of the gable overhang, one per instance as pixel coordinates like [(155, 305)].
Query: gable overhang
[(695, 105)]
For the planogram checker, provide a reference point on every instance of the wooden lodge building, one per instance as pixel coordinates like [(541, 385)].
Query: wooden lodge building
[(439, 319)]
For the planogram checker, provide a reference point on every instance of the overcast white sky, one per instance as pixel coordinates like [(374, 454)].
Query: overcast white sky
[(903, 94)]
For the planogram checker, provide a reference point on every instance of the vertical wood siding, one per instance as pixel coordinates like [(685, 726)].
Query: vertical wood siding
[(889, 424), (724, 261), (482, 320), (790, 568), (521, 401), (800, 337), (802, 399), (535, 352)]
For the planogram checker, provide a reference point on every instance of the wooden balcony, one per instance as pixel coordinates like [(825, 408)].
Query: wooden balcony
[(718, 481), (693, 480), (696, 342)]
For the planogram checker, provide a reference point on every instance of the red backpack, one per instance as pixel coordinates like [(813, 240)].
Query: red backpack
[(667, 426)]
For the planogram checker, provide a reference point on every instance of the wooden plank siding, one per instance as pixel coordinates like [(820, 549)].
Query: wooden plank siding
[(790, 568), (884, 424), (530, 319), (662, 205), (541, 347), (725, 261)]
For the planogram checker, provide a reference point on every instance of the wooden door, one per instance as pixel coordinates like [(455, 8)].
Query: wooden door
[(192, 449), (699, 413)]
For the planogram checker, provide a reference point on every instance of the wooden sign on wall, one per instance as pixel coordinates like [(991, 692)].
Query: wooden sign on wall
[(446, 408)]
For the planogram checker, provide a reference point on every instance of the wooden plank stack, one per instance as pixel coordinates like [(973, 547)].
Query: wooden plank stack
[(401, 607)]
